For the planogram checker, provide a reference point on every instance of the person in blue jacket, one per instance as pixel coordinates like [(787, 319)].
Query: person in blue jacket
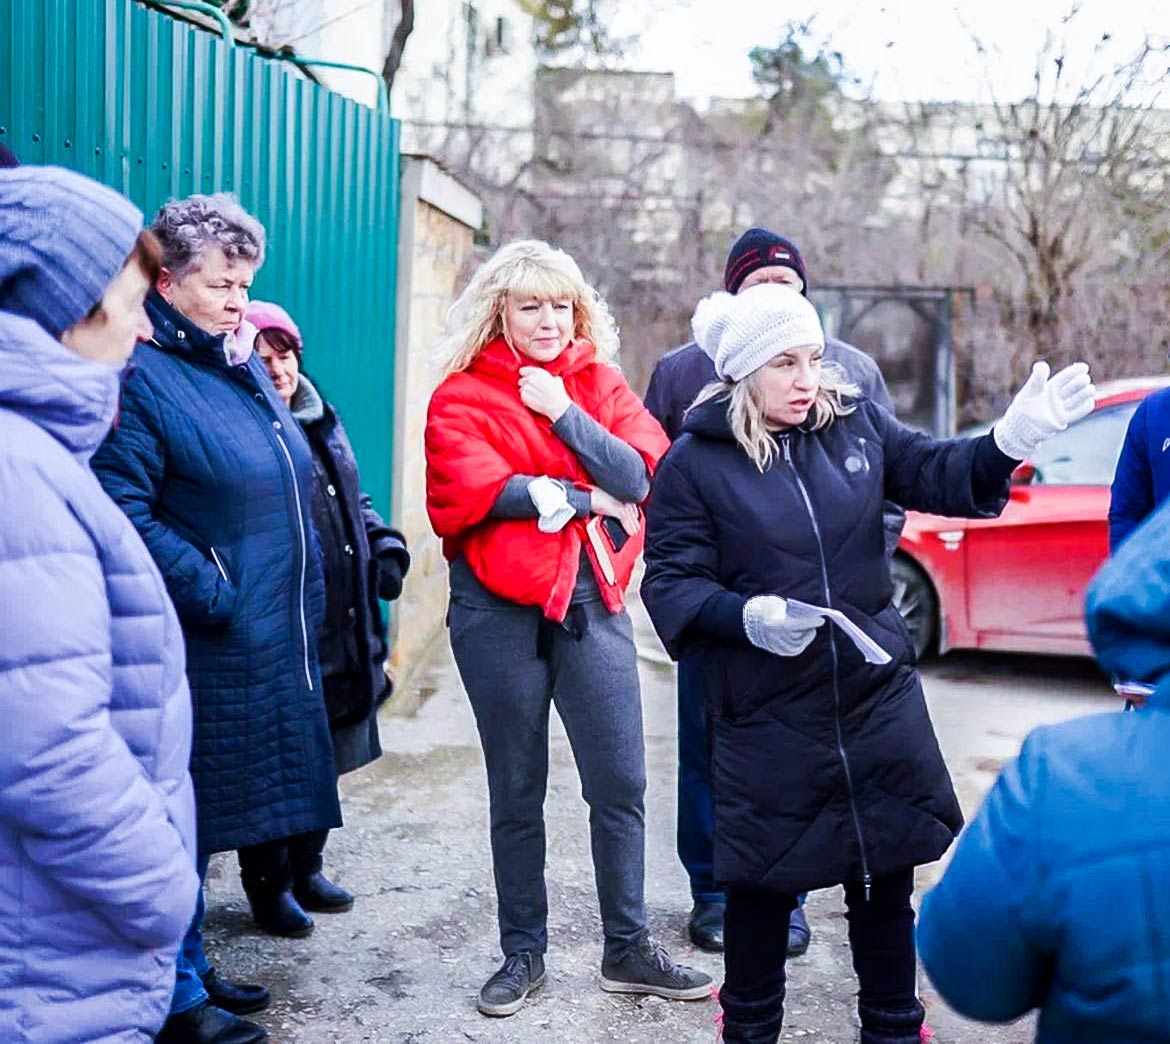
[(97, 816), (1056, 897), (1142, 479), (758, 256), (216, 476), (765, 550)]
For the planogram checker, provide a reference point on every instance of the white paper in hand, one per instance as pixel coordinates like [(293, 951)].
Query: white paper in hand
[(868, 648)]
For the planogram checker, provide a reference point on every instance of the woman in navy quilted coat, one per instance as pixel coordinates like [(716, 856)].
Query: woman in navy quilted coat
[(765, 515), (216, 476), (97, 817)]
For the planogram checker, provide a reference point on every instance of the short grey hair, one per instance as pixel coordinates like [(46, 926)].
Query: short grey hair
[(187, 227)]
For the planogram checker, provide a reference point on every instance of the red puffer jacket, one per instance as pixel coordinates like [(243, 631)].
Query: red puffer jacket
[(479, 434)]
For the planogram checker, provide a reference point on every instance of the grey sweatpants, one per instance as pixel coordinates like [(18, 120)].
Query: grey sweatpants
[(594, 684)]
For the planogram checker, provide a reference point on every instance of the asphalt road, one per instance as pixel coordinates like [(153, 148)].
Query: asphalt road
[(405, 965)]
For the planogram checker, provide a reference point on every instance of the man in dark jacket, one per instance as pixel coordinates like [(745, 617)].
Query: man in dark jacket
[(758, 256), (1142, 480)]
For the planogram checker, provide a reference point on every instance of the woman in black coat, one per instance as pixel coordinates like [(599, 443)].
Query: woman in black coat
[(364, 561), (766, 515)]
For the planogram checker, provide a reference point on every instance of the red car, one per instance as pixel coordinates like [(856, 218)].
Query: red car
[(1017, 583)]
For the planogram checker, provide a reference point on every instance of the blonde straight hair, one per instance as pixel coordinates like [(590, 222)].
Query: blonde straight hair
[(745, 409), (524, 268)]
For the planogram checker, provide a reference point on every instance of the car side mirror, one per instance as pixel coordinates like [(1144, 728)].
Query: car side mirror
[(1024, 474)]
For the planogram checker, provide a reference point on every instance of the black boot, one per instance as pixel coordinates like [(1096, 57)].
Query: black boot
[(207, 1024), (799, 933), (755, 1022), (278, 913), (267, 880), (240, 998), (706, 927), (891, 1027), (313, 890), (317, 893)]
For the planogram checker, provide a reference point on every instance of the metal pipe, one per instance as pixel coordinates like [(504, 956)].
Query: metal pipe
[(383, 99), (210, 10)]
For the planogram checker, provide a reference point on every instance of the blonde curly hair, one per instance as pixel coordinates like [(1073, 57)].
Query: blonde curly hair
[(524, 268)]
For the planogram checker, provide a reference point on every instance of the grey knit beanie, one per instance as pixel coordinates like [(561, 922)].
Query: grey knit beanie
[(63, 237), (741, 332)]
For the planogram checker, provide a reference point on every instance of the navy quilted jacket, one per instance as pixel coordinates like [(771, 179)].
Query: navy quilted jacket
[(825, 768), (97, 820), (216, 476)]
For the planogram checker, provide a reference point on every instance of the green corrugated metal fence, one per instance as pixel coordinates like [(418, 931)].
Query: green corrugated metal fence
[(157, 108)]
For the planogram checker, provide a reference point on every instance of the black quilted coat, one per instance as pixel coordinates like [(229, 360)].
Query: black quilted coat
[(364, 560), (825, 768), (217, 478)]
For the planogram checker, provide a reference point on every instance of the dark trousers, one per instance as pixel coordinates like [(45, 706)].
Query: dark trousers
[(755, 937), (275, 866), (696, 807), (696, 814), (513, 678)]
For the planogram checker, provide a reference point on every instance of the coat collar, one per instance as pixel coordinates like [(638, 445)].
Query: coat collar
[(73, 399), (175, 334), (307, 406), (499, 360)]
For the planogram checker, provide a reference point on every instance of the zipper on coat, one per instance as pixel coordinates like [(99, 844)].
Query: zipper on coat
[(219, 565), (867, 878), (292, 468)]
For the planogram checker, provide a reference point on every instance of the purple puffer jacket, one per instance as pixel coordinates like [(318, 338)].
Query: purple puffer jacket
[(97, 820)]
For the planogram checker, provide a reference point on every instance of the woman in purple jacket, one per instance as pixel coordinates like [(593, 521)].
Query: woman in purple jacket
[(97, 822)]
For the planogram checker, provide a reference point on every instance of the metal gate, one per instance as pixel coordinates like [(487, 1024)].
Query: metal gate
[(157, 108)]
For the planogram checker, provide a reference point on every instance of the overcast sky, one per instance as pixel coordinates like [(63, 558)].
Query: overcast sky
[(907, 49)]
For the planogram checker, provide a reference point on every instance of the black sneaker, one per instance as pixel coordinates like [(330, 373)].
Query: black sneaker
[(647, 968), (505, 992)]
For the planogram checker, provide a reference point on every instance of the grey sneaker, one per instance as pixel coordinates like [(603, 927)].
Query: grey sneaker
[(647, 968), (505, 992)]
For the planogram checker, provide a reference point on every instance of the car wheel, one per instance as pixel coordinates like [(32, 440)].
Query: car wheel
[(915, 599)]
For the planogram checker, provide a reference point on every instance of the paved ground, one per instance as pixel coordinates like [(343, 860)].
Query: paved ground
[(405, 965)]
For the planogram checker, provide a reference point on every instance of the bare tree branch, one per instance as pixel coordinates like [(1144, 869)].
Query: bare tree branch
[(402, 33)]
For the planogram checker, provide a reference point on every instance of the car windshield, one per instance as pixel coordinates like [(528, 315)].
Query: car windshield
[(1086, 454)]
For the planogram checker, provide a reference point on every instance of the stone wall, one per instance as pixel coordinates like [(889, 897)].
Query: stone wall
[(438, 220)]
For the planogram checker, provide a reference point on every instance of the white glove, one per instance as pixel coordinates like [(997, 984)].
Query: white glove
[(766, 622), (552, 502), (1044, 406)]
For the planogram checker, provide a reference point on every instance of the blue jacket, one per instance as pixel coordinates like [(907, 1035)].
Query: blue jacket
[(1056, 898), (1142, 480), (217, 478), (97, 818), (824, 767)]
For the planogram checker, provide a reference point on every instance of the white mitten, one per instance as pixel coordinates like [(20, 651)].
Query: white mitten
[(766, 622), (1044, 406), (552, 502)]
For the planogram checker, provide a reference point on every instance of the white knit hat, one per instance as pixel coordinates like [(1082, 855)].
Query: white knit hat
[(741, 332)]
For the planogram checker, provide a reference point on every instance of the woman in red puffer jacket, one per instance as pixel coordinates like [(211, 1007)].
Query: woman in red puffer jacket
[(538, 455)]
